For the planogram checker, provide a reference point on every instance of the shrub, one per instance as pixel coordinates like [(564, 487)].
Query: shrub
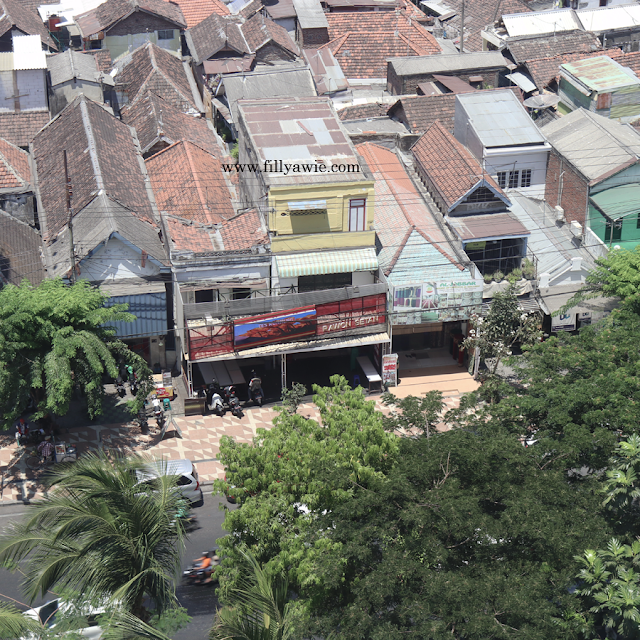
[(528, 269), (498, 276)]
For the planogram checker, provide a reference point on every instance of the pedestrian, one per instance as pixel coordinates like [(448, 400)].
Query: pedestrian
[(45, 448), (22, 432)]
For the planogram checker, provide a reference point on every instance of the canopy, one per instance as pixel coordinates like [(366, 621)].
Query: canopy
[(323, 262)]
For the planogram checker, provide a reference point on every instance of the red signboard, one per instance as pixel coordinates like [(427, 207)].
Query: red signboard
[(351, 314), (210, 341)]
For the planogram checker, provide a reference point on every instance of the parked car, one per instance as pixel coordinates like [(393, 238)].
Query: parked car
[(48, 615), (188, 482)]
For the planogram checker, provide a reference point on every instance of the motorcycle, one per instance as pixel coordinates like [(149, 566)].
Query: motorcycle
[(122, 392), (188, 520), (195, 575), (143, 422), (215, 404), (232, 402), (133, 385)]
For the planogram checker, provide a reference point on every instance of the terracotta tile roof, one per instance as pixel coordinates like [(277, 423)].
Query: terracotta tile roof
[(19, 128), (363, 40), (105, 15), (150, 68), (103, 59), (545, 71), (244, 231), (422, 111), (25, 19), (359, 111), (259, 30), (14, 167), (449, 164), (102, 158), (188, 182), (480, 13), (20, 252), (250, 9), (399, 208), (195, 11), (213, 34), (155, 120), (549, 45), (187, 235)]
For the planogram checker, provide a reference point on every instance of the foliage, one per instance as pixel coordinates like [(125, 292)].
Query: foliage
[(53, 340), (292, 398), (469, 536), (488, 278), (101, 533), (422, 414), (498, 276), (235, 151), (13, 624), (296, 470), (260, 609), (528, 269), (621, 485), (504, 326)]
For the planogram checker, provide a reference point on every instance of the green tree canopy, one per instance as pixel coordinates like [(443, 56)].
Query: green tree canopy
[(100, 533), (295, 470), (52, 338)]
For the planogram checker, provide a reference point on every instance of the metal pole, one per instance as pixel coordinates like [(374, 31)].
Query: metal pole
[(70, 219), (462, 28)]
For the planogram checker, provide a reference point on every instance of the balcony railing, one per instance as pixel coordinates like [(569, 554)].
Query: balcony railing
[(269, 304)]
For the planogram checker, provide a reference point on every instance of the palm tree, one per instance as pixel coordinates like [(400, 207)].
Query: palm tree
[(99, 532), (13, 624), (261, 610)]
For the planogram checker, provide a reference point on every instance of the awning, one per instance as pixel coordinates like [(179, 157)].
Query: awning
[(524, 82), (552, 299), (322, 262), (150, 310), (305, 205), (618, 201)]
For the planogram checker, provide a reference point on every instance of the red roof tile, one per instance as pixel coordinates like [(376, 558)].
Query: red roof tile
[(259, 30), (14, 167), (24, 19), (103, 59), (188, 182), (188, 235), (195, 11), (20, 128), (549, 45), (20, 252), (359, 111), (450, 166), (362, 41), (244, 231)]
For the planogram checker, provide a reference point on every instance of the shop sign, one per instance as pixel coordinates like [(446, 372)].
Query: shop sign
[(274, 327), (563, 322), (437, 301), (390, 369), (356, 321), (355, 313), (210, 341)]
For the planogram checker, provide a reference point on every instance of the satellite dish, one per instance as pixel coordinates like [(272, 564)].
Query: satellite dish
[(542, 102)]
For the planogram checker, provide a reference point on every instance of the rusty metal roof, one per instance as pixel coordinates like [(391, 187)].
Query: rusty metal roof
[(601, 73), (496, 225)]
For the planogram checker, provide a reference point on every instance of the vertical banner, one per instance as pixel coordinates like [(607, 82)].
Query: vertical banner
[(390, 369)]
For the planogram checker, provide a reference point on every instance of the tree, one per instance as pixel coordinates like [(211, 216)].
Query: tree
[(468, 536), (504, 326), (260, 610), (101, 533), (422, 414), (53, 339), (292, 398), (13, 624), (294, 471)]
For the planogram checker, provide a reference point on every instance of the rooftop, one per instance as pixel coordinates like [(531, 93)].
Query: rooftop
[(550, 45), (601, 73), (14, 14), (109, 187), (493, 225), (499, 119), (447, 63), (451, 167), (214, 34), (20, 252), (368, 110), (327, 73), (270, 83), (302, 131), (71, 65), (151, 68), (538, 22), (27, 54), (363, 41), (195, 11), (259, 30), (310, 14), (15, 173), (609, 18), (279, 9), (413, 243), (20, 128), (188, 182), (155, 120), (103, 17), (581, 137)]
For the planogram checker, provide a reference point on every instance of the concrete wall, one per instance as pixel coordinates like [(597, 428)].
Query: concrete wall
[(407, 84), (65, 93), (536, 161), (567, 188), (30, 86), (119, 45)]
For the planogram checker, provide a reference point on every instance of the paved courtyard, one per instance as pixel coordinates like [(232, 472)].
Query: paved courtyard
[(201, 435)]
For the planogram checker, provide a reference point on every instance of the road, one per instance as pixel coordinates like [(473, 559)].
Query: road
[(200, 602)]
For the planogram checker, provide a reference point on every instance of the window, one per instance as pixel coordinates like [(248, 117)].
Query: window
[(482, 195), (357, 214), (240, 294), (502, 179), (525, 178), (166, 34), (96, 44), (204, 295), (325, 281), (513, 179), (616, 226)]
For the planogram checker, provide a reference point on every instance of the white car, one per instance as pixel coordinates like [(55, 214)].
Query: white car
[(47, 614), (188, 482)]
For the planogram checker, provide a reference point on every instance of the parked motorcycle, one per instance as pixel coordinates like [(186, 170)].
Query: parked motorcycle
[(143, 422), (232, 402), (256, 394), (133, 385), (158, 411), (195, 574), (215, 403), (122, 392)]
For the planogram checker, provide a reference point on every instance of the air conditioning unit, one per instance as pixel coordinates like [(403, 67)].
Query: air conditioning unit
[(559, 214), (576, 229)]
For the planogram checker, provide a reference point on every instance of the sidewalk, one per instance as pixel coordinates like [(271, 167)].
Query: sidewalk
[(200, 434)]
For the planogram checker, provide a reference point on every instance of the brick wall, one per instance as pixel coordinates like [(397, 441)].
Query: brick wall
[(140, 22), (312, 38), (273, 53), (399, 85), (567, 188)]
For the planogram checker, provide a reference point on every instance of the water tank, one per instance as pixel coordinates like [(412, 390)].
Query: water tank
[(559, 214)]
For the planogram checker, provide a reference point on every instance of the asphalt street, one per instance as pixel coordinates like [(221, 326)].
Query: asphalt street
[(200, 602)]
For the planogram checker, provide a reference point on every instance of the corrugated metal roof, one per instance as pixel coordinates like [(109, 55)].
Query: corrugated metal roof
[(327, 73), (150, 310), (581, 136), (522, 80), (538, 22), (28, 53), (454, 84), (618, 201), (499, 119), (554, 298), (447, 63), (493, 225), (601, 73), (323, 262), (73, 64), (6, 61), (310, 14), (609, 18)]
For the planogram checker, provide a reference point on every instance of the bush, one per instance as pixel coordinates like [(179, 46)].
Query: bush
[(498, 276), (528, 269), (488, 277), (516, 275), (235, 152)]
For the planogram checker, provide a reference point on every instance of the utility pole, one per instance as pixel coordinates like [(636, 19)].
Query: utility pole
[(67, 182), (462, 29)]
